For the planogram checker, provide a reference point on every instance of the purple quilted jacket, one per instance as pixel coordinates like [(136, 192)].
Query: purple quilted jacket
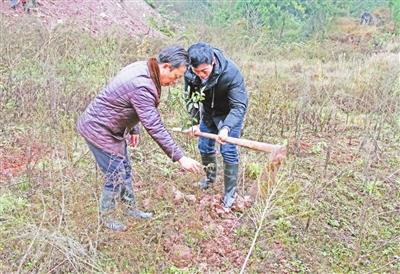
[(128, 99)]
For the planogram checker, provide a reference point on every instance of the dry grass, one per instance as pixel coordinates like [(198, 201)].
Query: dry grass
[(335, 209)]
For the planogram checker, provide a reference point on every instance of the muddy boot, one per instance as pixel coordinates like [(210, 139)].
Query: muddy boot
[(107, 206), (210, 168), (230, 181), (128, 198)]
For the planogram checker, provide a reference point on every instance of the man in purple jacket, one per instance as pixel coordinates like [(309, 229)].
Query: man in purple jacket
[(112, 118)]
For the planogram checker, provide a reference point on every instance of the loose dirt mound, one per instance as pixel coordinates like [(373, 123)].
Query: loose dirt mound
[(92, 15), (218, 247)]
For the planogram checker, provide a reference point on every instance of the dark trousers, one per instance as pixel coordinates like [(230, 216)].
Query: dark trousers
[(207, 146), (116, 170)]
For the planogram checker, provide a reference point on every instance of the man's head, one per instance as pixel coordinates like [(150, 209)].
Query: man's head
[(202, 60), (173, 62)]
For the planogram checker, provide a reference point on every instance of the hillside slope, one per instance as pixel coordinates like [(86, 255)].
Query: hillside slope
[(94, 16)]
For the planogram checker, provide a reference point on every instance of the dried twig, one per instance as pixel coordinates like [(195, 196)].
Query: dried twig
[(267, 209), (34, 238)]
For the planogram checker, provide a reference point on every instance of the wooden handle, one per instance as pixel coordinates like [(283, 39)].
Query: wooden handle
[(277, 151), (242, 142)]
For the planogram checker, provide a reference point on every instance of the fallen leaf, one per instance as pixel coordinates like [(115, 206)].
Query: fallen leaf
[(160, 191)]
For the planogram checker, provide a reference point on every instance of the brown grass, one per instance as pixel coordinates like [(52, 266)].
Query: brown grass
[(334, 208)]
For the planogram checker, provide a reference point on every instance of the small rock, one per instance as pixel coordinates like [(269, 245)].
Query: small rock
[(178, 195), (181, 255), (190, 198), (147, 204)]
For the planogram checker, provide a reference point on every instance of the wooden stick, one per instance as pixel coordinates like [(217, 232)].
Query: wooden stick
[(278, 152)]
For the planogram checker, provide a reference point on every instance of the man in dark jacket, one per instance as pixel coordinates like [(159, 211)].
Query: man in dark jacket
[(112, 118), (218, 82)]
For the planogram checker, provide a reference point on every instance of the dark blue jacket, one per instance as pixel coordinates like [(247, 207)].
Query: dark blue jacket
[(224, 91)]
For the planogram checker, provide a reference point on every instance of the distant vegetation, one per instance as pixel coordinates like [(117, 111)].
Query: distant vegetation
[(285, 21), (318, 81)]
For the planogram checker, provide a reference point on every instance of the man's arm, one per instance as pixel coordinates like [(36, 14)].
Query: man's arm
[(145, 106)]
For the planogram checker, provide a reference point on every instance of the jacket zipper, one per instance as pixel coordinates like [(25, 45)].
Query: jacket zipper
[(212, 102)]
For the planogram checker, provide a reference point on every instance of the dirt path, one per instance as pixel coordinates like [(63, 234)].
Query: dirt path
[(92, 15)]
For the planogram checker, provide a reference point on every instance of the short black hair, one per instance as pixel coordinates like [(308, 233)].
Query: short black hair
[(200, 53), (174, 55)]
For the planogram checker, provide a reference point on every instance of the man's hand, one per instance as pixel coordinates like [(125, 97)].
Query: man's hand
[(133, 140), (222, 135), (193, 131), (189, 164)]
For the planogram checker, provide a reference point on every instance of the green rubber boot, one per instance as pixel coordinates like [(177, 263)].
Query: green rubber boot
[(230, 182), (107, 206), (128, 198)]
